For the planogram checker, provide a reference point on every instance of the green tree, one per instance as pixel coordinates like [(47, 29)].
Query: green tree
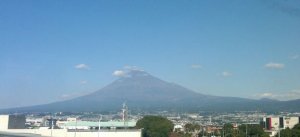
[(228, 130), (294, 132), (180, 134), (252, 130), (191, 127), (155, 126), (286, 133)]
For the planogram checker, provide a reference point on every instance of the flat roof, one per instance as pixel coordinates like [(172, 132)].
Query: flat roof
[(102, 123)]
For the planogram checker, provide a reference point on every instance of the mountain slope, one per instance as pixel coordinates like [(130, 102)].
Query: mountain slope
[(142, 91)]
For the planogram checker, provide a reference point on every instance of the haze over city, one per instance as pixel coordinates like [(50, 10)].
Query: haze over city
[(57, 50)]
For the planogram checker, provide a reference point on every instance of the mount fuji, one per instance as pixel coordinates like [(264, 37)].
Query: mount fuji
[(142, 91)]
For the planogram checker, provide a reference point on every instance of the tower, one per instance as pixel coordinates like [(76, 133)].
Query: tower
[(125, 115)]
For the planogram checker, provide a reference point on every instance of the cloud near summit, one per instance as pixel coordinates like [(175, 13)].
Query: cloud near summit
[(119, 73), (125, 72)]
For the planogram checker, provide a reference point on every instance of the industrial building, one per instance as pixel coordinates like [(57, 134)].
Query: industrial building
[(10, 125), (273, 125), (111, 125), (15, 124)]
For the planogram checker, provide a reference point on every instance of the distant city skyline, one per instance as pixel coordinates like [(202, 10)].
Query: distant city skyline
[(56, 50)]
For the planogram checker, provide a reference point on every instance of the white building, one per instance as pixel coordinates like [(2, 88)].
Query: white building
[(272, 125), (102, 124), (178, 128), (12, 122), (74, 133)]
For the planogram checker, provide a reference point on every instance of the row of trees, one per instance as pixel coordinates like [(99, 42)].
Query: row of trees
[(156, 126), (250, 129)]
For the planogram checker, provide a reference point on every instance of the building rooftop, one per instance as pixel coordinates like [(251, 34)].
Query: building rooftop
[(102, 124)]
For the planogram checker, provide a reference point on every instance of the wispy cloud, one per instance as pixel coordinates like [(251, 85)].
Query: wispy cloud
[(129, 68), (283, 96), (68, 96), (82, 66), (273, 65), (294, 57), (226, 74), (285, 6), (196, 66), (83, 82), (265, 95)]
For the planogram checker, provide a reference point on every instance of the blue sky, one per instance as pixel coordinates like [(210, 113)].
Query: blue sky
[(53, 50)]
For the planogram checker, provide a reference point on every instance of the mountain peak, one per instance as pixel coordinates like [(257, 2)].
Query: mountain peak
[(137, 73), (142, 91), (130, 73)]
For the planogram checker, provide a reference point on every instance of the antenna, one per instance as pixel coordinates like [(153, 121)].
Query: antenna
[(51, 118), (100, 118), (125, 114)]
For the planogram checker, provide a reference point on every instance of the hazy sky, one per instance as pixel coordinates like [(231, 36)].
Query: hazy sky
[(52, 50)]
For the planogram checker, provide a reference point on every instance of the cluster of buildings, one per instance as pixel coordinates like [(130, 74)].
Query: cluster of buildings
[(108, 126), (212, 124), (71, 127)]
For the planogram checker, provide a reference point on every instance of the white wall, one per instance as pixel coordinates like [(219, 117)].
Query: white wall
[(291, 122), (106, 134), (4, 122), (275, 122), (64, 133)]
